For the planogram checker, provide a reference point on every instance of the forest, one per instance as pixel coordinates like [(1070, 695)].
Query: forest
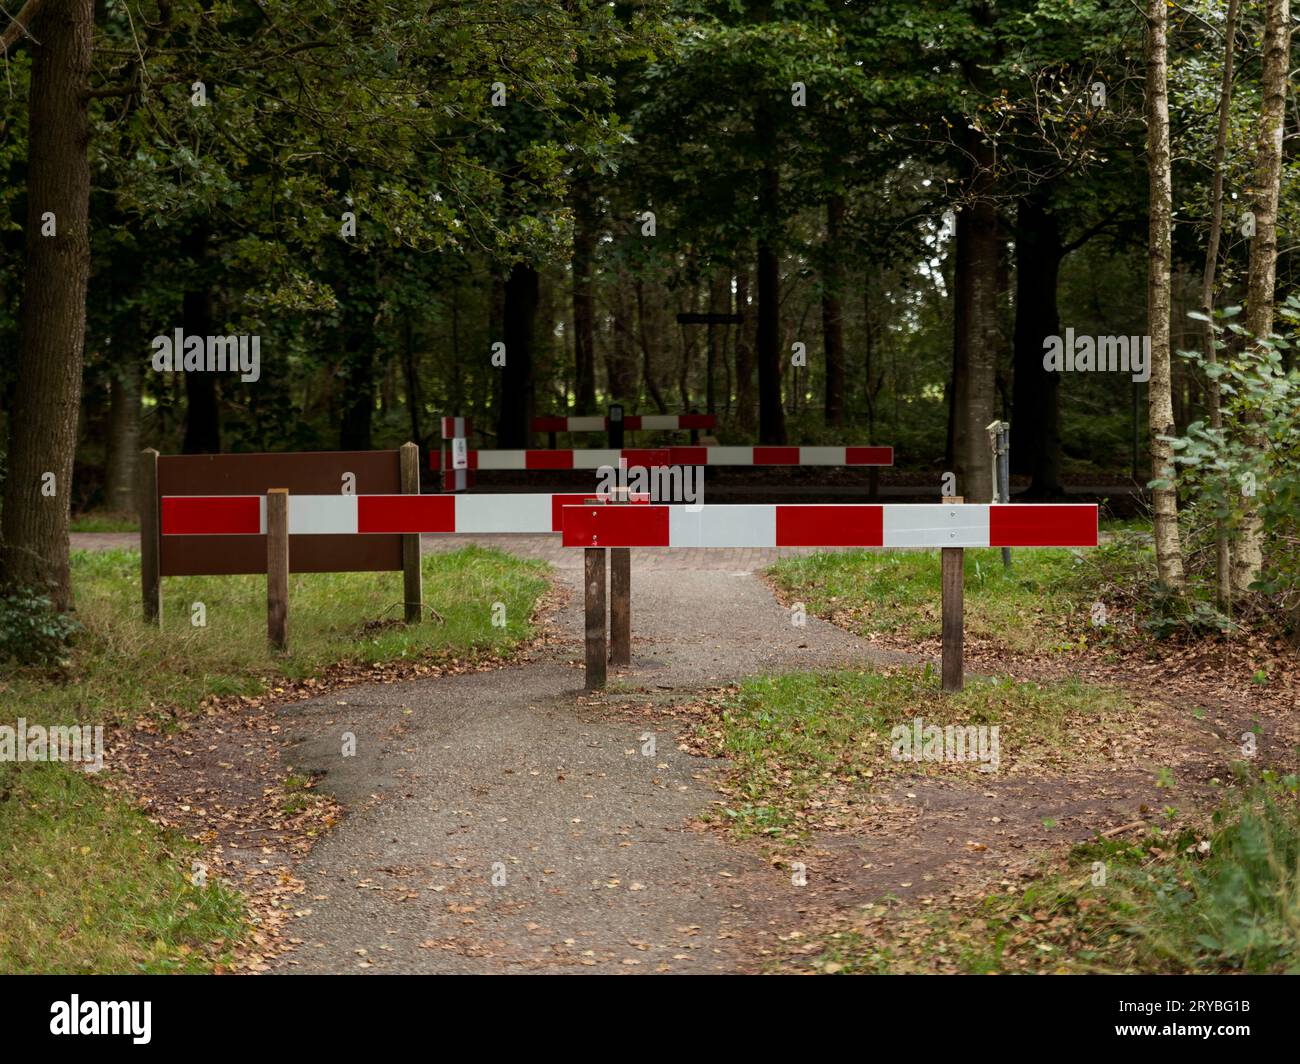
[(235, 227), (894, 205)]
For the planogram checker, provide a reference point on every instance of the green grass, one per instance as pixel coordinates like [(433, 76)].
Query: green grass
[(796, 739), (1033, 607), (122, 666), (87, 884), (1225, 898), (105, 521)]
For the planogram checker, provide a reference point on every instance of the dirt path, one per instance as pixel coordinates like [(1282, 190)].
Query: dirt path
[(497, 823)]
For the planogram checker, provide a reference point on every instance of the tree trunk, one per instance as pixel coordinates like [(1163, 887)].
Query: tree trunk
[(1035, 397), (411, 372), (123, 422), (514, 427), (584, 316), (833, 313), (202, 418), (1169, 559), (744, 357), (771, 414), (976, 334), (52, 319), (358, 342), (719, 303), (1222, 553), (623, 361), (648, 343), (1262, 268)]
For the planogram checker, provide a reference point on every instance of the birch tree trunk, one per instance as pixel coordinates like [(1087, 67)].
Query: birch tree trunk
[(1169, 559), (1222, 555), (1262, 271)]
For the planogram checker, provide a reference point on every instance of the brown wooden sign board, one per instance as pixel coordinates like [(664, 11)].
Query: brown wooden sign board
[(303, 473)]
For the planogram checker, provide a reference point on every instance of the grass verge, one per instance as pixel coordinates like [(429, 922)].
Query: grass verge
[(1224, 897), (1040, 605), (805, 745), (104, 521), (89, 885)]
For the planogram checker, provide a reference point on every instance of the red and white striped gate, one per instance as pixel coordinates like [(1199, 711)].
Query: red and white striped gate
[(649, 457)]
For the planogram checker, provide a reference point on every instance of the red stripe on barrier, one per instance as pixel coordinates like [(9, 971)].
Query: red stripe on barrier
[(406, 513), (1027, 525), (697, 421), (631, 422), (776, 456), (830, 526), (648, 457), (550, 424), (688, 455), (620, 526), (548, 459), (558, 502), (869, 456), (211, 515)]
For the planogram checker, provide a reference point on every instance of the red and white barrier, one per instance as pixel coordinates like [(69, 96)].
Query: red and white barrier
[(600, 525), (657, 422), (245, 515), (595, 458), (832, 525)]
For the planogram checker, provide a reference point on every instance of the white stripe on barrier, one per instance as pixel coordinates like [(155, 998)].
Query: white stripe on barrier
[(661, 421), (821, 455), (928, 525), (503, 513), (586, 424), (722, 526), (322, 515)]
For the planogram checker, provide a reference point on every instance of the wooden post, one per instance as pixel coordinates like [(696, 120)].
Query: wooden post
[(277, 567), (620, 605), (594, 597), (150, 545), (953, 571), (412, 586)]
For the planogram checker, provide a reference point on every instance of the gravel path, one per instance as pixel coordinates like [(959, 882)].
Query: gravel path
[(497, 822)]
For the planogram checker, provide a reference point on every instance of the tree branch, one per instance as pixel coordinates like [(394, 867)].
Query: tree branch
[(19, 23)]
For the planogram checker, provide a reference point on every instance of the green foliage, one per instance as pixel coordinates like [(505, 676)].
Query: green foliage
[(1256, 453), (32, 631)]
